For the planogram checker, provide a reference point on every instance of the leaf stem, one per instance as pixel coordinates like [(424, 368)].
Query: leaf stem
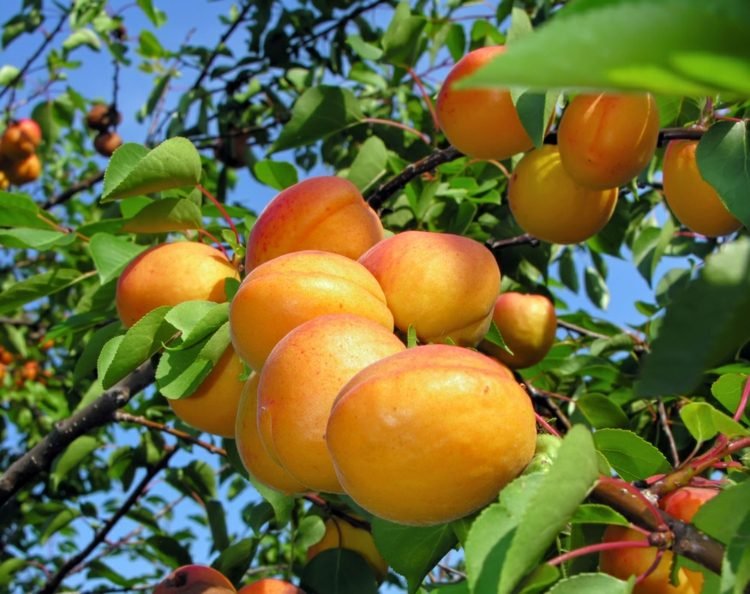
[(222, 210), (597, 548), (422, 136)]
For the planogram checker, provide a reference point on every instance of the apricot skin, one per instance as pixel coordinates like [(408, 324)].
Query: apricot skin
[(692, 200), (253, 454), (20, 139), (548, 204), (213, 406), (195, 579), (289, 290), (24, 171), (481, 123), (430, 434), (171, 273), (684, 503), (299, 382), (270, 586), (606, 140), (528, 324), (322, 213), (443, 285)]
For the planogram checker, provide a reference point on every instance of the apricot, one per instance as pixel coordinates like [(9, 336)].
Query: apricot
[(692, 200), (287, 291), (443, 285), (253, 454), (171, 273), (101, 117), (25, 171), (684, 503), (322, 213), (548, 204), (20, 139), (213, 406), (195, 579), (528, 324), (270, 586), (344, 535), (4, 181), (107, 143), (481, 123), (605, 140), (430, 434), (299, 382)]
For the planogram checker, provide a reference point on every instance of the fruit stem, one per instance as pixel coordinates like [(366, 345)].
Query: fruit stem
[(652, 567), (547, 427), (222, 210), (598, 547), (422, 136), (217, 243), (426, 97), (743, 401)]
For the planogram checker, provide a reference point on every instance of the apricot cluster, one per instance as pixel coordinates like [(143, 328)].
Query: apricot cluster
[(104, 119), (19, 163), (201, 579)]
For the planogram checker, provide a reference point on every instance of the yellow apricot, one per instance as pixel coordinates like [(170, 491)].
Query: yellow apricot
[(287, 291), (605, 140), (441, 284), (299, 382), (548, 204), (430, 434), (253, 454), (481, 123), (171, 273), (692, 200), (322, 213)]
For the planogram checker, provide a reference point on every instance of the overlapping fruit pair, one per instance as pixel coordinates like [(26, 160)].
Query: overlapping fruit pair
[(337, 403), (19, 163), (568, 192)]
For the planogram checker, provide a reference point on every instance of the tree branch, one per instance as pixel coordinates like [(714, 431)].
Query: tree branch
[(500, 244), (73, 190), (124, 417), (39, 458), (141, 487)]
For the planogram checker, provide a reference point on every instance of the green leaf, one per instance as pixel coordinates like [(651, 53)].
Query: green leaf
[(363, 49), (35, 239), (339, 571), (58, 522), (713, 311), (601, 412), (165, 215), (86, 362), (218, 524), (592, 583), (401, 39), (311, 529), (535, 110), (82, 37), (9, 567), (197, 320), (631, 456), (596, 513), (674, 47), (133, 170), (568, 272), (156, 16), (73, 455), (718, 517), (20, 210), (728, 390), (318, 113), (169, 550), (723, 157), (704, 422), (520, 25), (8, 74), (735, 567), (494, 336), (111, 254), (370, 164), (412, 551), (276, 174), (596, 287), (411, 337), (36, 287), (145, 338), (235, 559)]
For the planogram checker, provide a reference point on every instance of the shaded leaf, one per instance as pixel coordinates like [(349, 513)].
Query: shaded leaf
[(631, 456)]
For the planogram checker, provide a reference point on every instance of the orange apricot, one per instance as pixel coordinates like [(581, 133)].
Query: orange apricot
[(270, 586), (481, 123), (605, 140), (171, 273), (692, 200), (107, 143), (20, 139), (24, 171), (684, 503), (548, 204)]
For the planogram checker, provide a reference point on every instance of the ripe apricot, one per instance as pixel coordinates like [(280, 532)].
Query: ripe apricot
[(195, 579), (548, 204), (270, 586), (171, 273), (4, 181), (285, 292), (441, 284), (605, 140), (25, 171), (107, 143), (528, 324), (342, 534), (253, 454), (20, 139), (101, 117), (692, 200), (481, 123), (684, 503), (299, 382), (322, 213), (213, 406), (430, 434)]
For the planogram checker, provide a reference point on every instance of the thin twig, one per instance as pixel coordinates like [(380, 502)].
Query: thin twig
[(500, 244), (664, 421), (67, 194)]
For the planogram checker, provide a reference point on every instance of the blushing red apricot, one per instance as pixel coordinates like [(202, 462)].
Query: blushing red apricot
[(692, 200), (441, 284), (213, 406), (684, 503), (256, 460), (171, 273), (605, 140), (20, 139), (481, 123), (430, 434), (270, 586), (322, 213), (299, 382), (287, 291), (548, 204), (195, 579)]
